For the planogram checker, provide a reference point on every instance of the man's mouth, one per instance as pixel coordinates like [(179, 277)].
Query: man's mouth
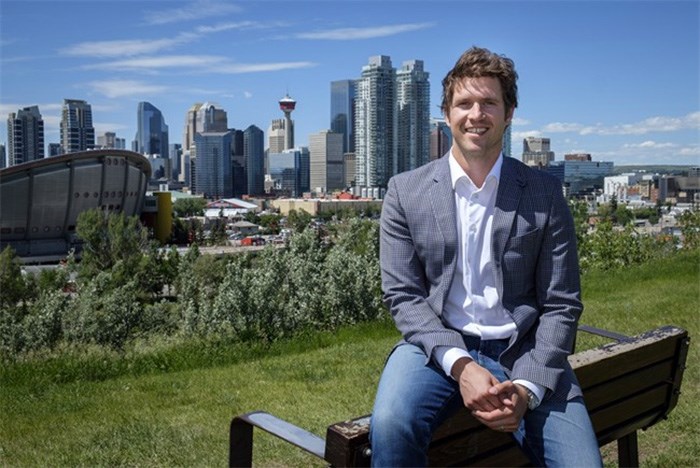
[(476, 131)]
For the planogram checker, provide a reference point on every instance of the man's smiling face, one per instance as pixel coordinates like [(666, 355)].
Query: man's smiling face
[(478, 118)]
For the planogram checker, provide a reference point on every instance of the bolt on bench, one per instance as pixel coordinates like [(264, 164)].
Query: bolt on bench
[(629, 384)]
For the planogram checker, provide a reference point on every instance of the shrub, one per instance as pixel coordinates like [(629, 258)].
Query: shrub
[(103, 314)]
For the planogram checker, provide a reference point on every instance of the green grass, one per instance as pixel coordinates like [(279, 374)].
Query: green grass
[(173, 407)]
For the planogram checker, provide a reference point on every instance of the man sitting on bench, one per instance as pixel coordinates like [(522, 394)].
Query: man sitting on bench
[(480, 272)]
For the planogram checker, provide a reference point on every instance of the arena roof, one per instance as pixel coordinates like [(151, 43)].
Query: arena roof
[(40, 200)]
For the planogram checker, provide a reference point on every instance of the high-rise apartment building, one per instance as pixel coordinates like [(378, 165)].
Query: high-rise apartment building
[(536, 151), (412, 117), (213, 164), (77, 131), (25, 136), (326, 161), (152, 132), (343, 112), (374, 129), (254, 152)]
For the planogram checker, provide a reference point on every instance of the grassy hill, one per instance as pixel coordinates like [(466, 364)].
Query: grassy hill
[(172, 408)]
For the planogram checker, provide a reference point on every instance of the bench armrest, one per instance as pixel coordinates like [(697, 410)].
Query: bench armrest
[(241, 436), (605, 333)]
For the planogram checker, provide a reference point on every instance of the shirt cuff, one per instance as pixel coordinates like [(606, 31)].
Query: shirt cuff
[(446, 356), (537, 390)]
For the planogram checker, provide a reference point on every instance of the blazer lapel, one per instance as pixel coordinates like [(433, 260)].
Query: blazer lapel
[(510, 189), (442, 201)]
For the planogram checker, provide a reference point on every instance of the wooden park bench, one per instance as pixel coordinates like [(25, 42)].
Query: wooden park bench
[(629, 384)]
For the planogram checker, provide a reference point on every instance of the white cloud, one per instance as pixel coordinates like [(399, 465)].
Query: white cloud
[(197, 63), (121, 88), (659, 124), (562, 127), (247, 94), (519, 121), (349, 34), (522, 135), (237, 68), (126, 48), (649, 144), (195, 11)]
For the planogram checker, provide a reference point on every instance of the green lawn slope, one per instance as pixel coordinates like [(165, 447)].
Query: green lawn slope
[(173, 407)]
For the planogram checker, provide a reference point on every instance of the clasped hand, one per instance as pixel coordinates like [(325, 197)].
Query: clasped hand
[(498, 405)]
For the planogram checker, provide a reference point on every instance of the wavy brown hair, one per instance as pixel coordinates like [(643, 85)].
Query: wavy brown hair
[(478, 62)]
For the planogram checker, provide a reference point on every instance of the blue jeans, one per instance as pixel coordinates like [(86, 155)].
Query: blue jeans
[(414, 398)]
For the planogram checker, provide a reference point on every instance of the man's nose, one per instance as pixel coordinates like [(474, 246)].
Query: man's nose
[(476, 112)]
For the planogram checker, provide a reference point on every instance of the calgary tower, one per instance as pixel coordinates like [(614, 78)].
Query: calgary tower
[(287, 105)]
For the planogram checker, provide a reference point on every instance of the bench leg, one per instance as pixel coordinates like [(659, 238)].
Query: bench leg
[(627, 450), (240, 451)]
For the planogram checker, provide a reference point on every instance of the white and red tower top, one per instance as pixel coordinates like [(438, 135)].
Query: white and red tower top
[(287, 105)]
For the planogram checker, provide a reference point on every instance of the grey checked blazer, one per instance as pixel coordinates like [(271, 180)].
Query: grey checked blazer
[(534, 249)]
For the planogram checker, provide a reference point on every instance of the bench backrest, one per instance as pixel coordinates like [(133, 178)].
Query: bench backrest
[(627, 386)]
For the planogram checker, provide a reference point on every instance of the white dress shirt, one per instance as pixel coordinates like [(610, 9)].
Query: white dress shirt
[(473, 305)]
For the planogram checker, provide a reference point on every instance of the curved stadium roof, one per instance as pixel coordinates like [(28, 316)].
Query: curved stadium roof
[(40, 200)]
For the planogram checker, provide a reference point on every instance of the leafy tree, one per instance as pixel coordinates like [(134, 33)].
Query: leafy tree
[(298, 220), (623, 215), (12, 282), (110, 239), (270, 222), (187, 207), (689, 222)]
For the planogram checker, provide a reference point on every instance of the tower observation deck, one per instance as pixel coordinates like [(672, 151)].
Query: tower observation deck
[(287, 105)]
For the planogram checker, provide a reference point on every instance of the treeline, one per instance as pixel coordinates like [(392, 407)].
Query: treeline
[(127, 291)]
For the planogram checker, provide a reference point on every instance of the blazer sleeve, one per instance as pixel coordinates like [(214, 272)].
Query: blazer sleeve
[(543, 358), (408, 291)]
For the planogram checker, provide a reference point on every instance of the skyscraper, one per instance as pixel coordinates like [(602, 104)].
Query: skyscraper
[(254, 152), (440, 138), (213, 164), (200, 118), (276, 136), (152, 132), (343, 112), (412, 117), (109, 140), (25, 136), (290, 171), (326, 161), (374, 114), (77, 131)]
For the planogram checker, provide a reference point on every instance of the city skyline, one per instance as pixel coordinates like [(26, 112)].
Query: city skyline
[(619, 80)]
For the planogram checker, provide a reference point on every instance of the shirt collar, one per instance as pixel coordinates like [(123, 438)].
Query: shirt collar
[(456, 171)]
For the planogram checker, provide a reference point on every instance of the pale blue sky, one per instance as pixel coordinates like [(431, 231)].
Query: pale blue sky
[(619, 80)]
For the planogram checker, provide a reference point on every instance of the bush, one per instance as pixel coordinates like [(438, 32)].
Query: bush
[(41, 327), (103, 314)]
